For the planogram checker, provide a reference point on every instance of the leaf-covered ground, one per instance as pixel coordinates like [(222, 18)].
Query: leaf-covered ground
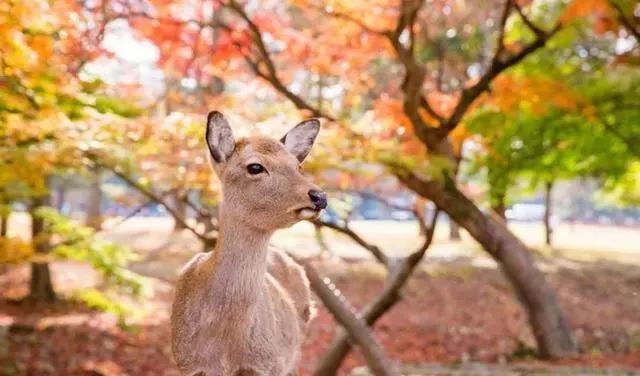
[(450, 314)]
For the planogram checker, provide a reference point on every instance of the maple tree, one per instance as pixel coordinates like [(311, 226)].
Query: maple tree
[(554, 118), (400, 28), (403, 84), (445, 67), (48, 115)]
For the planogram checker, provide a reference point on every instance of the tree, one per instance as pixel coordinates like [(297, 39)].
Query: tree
[(424, 70), (46, 110), (432, 128), (546, 121)]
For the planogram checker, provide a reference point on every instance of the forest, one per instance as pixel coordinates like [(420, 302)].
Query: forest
[(481, 161)]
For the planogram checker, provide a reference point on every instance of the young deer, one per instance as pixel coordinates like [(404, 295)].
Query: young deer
[(243, 308)]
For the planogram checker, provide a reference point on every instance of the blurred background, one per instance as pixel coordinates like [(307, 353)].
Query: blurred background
[(482, 160)]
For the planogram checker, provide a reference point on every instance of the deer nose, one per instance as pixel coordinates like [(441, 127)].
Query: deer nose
[(318, 198)]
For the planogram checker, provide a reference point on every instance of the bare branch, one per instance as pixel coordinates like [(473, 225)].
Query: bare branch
[(346, 230), (152, 196), (139, 208), (148, 193), (427, 107), (202, 212), (376, 251), (265, 57), (415, 72), (390, 295), (526, 20), (503, 23), (333, 300)]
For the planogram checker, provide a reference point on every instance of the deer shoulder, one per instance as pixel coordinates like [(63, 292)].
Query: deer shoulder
[(291, 276)]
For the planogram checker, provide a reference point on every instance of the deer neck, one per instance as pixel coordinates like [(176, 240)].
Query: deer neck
[(239, 263)]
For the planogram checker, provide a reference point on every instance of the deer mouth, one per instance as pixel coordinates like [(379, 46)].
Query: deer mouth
[(308, 212)]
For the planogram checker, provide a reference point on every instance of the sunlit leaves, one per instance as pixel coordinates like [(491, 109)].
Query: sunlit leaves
[(624, 190), (600, 12), (77, 242)]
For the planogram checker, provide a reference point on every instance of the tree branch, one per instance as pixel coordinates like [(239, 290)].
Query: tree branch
[(346, 230), (497, 66), (415, 73), (357, 330), (154, 197), (349, 18), (427, 107), (271, 75), (139, 208), (390, 295), (533, 27), (626, 22), (148, 193), (202, 212), (503, 23)]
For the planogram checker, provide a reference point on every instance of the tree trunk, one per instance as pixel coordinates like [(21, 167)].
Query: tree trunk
[(499, 178), (550, 327), (94, 204), (548, 228), (181, 208), (4, 223), (454, 230), (500, 211), (499, 207), (41, 286)]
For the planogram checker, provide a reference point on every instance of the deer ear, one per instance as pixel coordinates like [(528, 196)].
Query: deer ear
[(299, 140), (219, 137)]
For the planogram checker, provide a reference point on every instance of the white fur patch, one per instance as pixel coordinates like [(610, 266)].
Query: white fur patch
[(308, 214)]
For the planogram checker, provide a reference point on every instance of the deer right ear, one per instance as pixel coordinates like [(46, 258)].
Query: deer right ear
[(219, 137)]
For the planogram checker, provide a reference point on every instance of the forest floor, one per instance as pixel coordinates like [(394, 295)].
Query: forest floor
[(450, 314), (456, 312)]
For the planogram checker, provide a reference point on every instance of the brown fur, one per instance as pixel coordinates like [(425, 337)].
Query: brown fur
[(243, 309)]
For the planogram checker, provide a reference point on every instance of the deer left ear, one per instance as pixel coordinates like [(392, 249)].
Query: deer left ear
[(219, 137), (299, 140)]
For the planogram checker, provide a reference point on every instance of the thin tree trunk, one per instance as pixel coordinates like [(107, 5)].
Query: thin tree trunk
[(41, 286), (454, 230), (181, 208), (4, 222), (500, 211), (499, 181), (499, 207), (548, 228), (550, 327), (94, 204)]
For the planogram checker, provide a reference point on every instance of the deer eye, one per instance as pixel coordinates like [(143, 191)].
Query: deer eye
[(255, 169)]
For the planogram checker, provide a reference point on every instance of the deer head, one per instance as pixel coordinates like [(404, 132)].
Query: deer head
[(262, 181)]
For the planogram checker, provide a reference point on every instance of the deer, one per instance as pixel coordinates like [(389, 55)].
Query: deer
[(243, 309)]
